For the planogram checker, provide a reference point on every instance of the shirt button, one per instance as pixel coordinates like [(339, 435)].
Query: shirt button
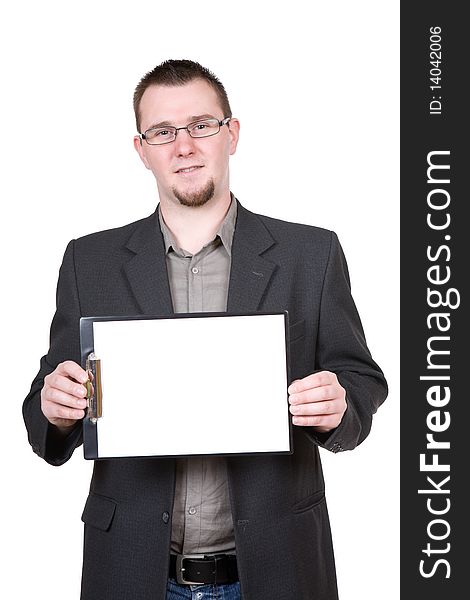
[(195, 270), (165, 517), (192, 510), (199, 595)]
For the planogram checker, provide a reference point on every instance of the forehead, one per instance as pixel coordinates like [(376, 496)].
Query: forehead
[(175, 104)]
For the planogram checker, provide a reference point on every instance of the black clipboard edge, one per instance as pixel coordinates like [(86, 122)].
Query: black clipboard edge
[(90, 432)]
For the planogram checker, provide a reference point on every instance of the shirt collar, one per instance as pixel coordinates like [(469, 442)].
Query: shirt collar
[(225, 231)]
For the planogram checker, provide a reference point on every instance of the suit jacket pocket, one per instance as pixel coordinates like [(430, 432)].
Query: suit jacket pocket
[(297, 330), (309, 502), (99, 511)]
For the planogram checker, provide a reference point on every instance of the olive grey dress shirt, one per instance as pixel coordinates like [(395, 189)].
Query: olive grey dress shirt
[(202, 518)]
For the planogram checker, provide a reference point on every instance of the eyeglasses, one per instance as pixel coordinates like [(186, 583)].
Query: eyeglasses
[(199, 129)]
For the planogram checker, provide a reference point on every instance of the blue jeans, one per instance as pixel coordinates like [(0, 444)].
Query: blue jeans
[(227, 591)]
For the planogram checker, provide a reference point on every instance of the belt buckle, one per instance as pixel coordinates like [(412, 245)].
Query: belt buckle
[(180, 568)]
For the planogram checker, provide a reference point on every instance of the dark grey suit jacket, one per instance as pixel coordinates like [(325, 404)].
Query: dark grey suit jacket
[(282, 531)]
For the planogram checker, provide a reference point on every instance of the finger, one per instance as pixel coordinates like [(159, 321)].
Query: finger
[(56, 396), (313, 380), (317, 394), (64, 384), (292, 385), (53, 411), (329, 407), (73, 370), (321, 422)]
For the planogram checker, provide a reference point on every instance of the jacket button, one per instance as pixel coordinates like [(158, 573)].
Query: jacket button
[(165, 517)]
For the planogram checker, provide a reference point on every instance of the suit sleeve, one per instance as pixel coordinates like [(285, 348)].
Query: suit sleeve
[(342, 349), (64, 345)]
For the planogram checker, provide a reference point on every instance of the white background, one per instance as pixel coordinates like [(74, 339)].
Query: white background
[(328, 73)]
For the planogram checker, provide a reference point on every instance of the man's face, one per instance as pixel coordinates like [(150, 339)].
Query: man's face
[(207, 158)]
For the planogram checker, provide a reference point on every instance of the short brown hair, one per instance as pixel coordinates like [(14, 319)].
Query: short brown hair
[(178, 72)]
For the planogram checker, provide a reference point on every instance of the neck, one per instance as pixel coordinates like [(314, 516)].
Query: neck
[(193, 227)]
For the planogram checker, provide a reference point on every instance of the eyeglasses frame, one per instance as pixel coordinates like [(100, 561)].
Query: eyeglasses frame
[(224, 121)]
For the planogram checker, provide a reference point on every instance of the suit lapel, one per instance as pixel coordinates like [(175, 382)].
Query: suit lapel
[(250, 273), (146, 271)]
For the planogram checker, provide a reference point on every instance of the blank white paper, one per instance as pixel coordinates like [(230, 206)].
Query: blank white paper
[(192, 385)]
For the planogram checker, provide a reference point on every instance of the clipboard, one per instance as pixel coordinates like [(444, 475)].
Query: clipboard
[(189, 384)]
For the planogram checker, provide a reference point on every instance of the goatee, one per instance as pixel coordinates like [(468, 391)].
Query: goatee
[(196, 198)]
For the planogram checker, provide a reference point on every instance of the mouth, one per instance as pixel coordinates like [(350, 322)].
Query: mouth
[(189, 169)]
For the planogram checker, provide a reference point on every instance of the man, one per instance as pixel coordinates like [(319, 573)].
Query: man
[(261, 521)]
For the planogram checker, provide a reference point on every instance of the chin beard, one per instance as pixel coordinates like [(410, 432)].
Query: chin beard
[(198, 197)]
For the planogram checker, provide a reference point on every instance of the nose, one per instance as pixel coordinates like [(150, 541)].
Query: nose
[(184, 143)]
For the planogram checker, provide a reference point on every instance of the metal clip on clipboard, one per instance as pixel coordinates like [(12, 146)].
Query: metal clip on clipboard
[(94, 390)]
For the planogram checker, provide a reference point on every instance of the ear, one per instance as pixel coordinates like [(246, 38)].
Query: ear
[(138, 145), (234, 132)]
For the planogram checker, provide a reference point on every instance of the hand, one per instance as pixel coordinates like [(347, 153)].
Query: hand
[(63, 399), (317, 400)]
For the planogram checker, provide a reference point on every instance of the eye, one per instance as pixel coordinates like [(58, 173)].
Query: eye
[(203, 128), (160, 134)]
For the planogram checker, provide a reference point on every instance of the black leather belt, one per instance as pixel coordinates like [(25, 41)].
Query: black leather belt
[(196, 569)]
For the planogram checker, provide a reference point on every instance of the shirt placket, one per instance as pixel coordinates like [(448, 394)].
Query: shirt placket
[(195, 466), (196, 282), (192, 509)]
